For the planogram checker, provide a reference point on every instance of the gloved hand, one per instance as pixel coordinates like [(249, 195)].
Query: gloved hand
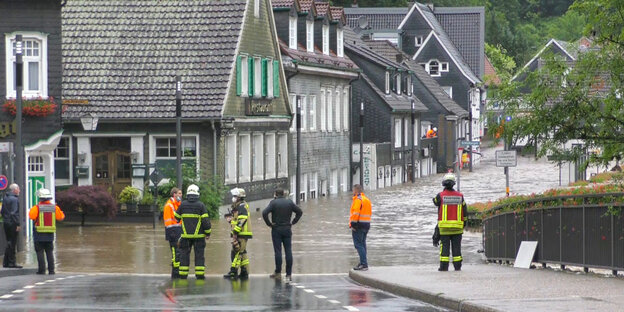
[(436, 237)]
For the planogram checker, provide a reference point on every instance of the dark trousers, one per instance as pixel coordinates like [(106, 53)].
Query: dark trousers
[(199, 245), (48, 248), (282, 236), (450, 242), (359, 241), (10, 231), (173, 235)]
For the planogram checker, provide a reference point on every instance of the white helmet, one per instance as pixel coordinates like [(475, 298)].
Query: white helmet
[(192, 190), (435, 129), (238, 192), (44, 193), (449, 179)]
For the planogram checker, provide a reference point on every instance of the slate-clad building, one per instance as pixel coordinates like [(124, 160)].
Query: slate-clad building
[(120, 63), (39, 23), (319, 74)]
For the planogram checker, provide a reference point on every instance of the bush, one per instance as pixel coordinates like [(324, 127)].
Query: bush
[(87, 200), (129, 195), (147, 199)]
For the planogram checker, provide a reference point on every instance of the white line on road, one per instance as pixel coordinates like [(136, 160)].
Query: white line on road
[(300, 286), (6, 296), (351, 308), (309, 291), (49, 281), (321, 297), (29, 286), (39, 283), (334, 301), (17, 291), (60, 278)]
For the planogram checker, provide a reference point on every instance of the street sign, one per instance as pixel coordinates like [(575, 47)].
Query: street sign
[(470, 143), (5, 147), (506, 159), (4, 182), (156, 177)]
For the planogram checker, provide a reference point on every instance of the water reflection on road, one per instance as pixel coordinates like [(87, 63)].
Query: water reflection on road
[(403, 220)]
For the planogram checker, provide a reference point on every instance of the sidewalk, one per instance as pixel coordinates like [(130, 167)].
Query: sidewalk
[(5, 272), (493, 287)]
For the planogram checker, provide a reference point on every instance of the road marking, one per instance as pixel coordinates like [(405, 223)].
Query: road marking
[(29, 286), (49, 281), (309, 291), (17, 291), (294, 284), (351, 308), (300, 286), (321, 297), (39, 283), (60, 278), (6, 296)]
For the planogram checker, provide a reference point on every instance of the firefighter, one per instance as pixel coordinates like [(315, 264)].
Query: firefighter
[(196, 228), (44, 215), (241, 233), (452, 212), (173, 229)]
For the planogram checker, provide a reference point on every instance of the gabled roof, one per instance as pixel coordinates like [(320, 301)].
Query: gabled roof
[(565, 47), (358, 46), (322, 8), (318, 59), (337, 14), (284, 3), (490, 73), (307, 5), (122, 56), (378, 18), (398, 103)]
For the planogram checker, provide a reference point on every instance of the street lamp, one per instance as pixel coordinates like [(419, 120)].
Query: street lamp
[(413, 140), (89, 122), (20, 165), (453, 119), (179, 131)]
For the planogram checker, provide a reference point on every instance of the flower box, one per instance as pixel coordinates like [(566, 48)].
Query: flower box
[(38, 107)]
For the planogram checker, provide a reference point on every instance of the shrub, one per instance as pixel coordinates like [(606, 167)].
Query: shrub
[(95, 200), (148, 198), (129, 195)]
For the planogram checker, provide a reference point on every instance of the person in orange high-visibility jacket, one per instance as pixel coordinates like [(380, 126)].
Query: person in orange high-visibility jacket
[(44, 216), (452, 212), (359, 222), (173, 230)]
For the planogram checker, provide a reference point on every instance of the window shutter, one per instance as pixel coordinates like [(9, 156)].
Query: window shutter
[(239, 74), (276, 81), (265, 77), (250, 62)]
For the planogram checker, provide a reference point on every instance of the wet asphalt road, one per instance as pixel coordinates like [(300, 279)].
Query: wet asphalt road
[(98, 292)]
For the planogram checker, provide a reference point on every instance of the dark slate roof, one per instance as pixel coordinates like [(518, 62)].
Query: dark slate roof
[(318, 58), (394, 101), (358, 46), (389, 50), (465, 26), (122, 56), (378, 18)]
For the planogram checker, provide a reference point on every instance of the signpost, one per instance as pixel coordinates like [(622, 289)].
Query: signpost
[(470, 143), (506, 159), (155, 177), (4, 182)]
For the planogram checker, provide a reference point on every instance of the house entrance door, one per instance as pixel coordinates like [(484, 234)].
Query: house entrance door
[(113, 170)]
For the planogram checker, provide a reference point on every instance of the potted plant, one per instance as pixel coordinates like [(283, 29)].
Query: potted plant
[(129, 197), (145, 205), (38, 107)]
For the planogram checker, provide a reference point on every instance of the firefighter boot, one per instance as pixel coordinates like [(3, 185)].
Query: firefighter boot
[(233, 274), (443, 266), (457, 265), (244, 274)]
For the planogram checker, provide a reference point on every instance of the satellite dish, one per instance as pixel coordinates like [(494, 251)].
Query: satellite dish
[(363, 22)]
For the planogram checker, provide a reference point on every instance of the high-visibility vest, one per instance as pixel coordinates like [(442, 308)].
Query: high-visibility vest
[(170, 207), (361, 209), (46, 222), (450, 212), (242, 225)]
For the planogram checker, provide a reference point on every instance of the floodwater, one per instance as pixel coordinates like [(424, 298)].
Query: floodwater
[(403, 220)]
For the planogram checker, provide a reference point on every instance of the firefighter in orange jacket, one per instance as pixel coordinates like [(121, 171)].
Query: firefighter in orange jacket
[(173, 229), (44, 215), (359, 222), (451, 217)]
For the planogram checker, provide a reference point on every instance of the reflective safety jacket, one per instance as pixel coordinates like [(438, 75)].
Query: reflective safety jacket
[(193, 217), (451, 212), (361, 211), (170, 207), (45, 215), (241, 223)]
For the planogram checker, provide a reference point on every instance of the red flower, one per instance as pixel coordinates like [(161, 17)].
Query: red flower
[(31, 107)]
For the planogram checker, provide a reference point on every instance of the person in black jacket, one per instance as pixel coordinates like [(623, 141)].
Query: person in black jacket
[(196, 227), (281, 210), (12, 225)]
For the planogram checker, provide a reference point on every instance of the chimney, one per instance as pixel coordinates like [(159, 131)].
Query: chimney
[(354, 4), (399, 58)]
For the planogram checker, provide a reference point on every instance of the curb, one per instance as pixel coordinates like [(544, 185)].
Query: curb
[(420, 294), (4, 272)]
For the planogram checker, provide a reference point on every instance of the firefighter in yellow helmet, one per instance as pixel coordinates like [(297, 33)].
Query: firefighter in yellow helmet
[(241, 232), (44, 215)]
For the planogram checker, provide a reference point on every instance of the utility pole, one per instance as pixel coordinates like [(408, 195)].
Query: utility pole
[(362, 145), (412, 142), (507, 171), (20, 165), (179, 131), (470, 140), (298, 170)]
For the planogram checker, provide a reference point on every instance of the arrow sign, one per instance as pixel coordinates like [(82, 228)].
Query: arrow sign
[(4, 182)]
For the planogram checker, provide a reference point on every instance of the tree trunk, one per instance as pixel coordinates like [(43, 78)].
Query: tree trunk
[(82, 221)]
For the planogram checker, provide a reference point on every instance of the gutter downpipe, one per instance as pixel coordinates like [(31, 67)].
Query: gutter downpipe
[(214, 148), (296, 192), (351, 131)]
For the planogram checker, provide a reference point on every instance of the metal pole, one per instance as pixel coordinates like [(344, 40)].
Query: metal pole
[(20, 165), (412, 142), (506, 172), (298, 170), (179, 131), (470, 140), (362, 144)]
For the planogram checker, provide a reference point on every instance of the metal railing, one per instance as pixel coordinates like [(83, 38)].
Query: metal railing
[(569, 230)]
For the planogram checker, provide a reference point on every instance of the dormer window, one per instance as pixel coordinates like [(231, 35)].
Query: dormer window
[(444, 67), (310, 36), (398, 84), (387, 82), (326, 39), (433, 68), (409, 86), (340, 43), (292, 33)]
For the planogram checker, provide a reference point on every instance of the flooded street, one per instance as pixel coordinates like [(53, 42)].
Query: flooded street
[(403, 220)]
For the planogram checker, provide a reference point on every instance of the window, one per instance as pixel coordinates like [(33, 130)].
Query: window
[(397, 132), (323, 111), (258, 157), (293, 186), (418, 41), (292, 33), (62, 162), (230, 158), (406, 138), (35, 164), (303, 187), (270, 155), (257, 8), (270, 78), (340, 42), (304, 116), (310, 36), (434, 68), (34, 71), (387, 82), (313, 185), (338, 106), (282, 155), (166, 147), (330, 109), (333, 182), (326, 39), (345, 110), (312, 105), (293, 103), (344, 179), (244, 158), (409, 86), (449, 91), (398, 84), (124, 167), (242, 75), (444, 67), (257, 81)]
